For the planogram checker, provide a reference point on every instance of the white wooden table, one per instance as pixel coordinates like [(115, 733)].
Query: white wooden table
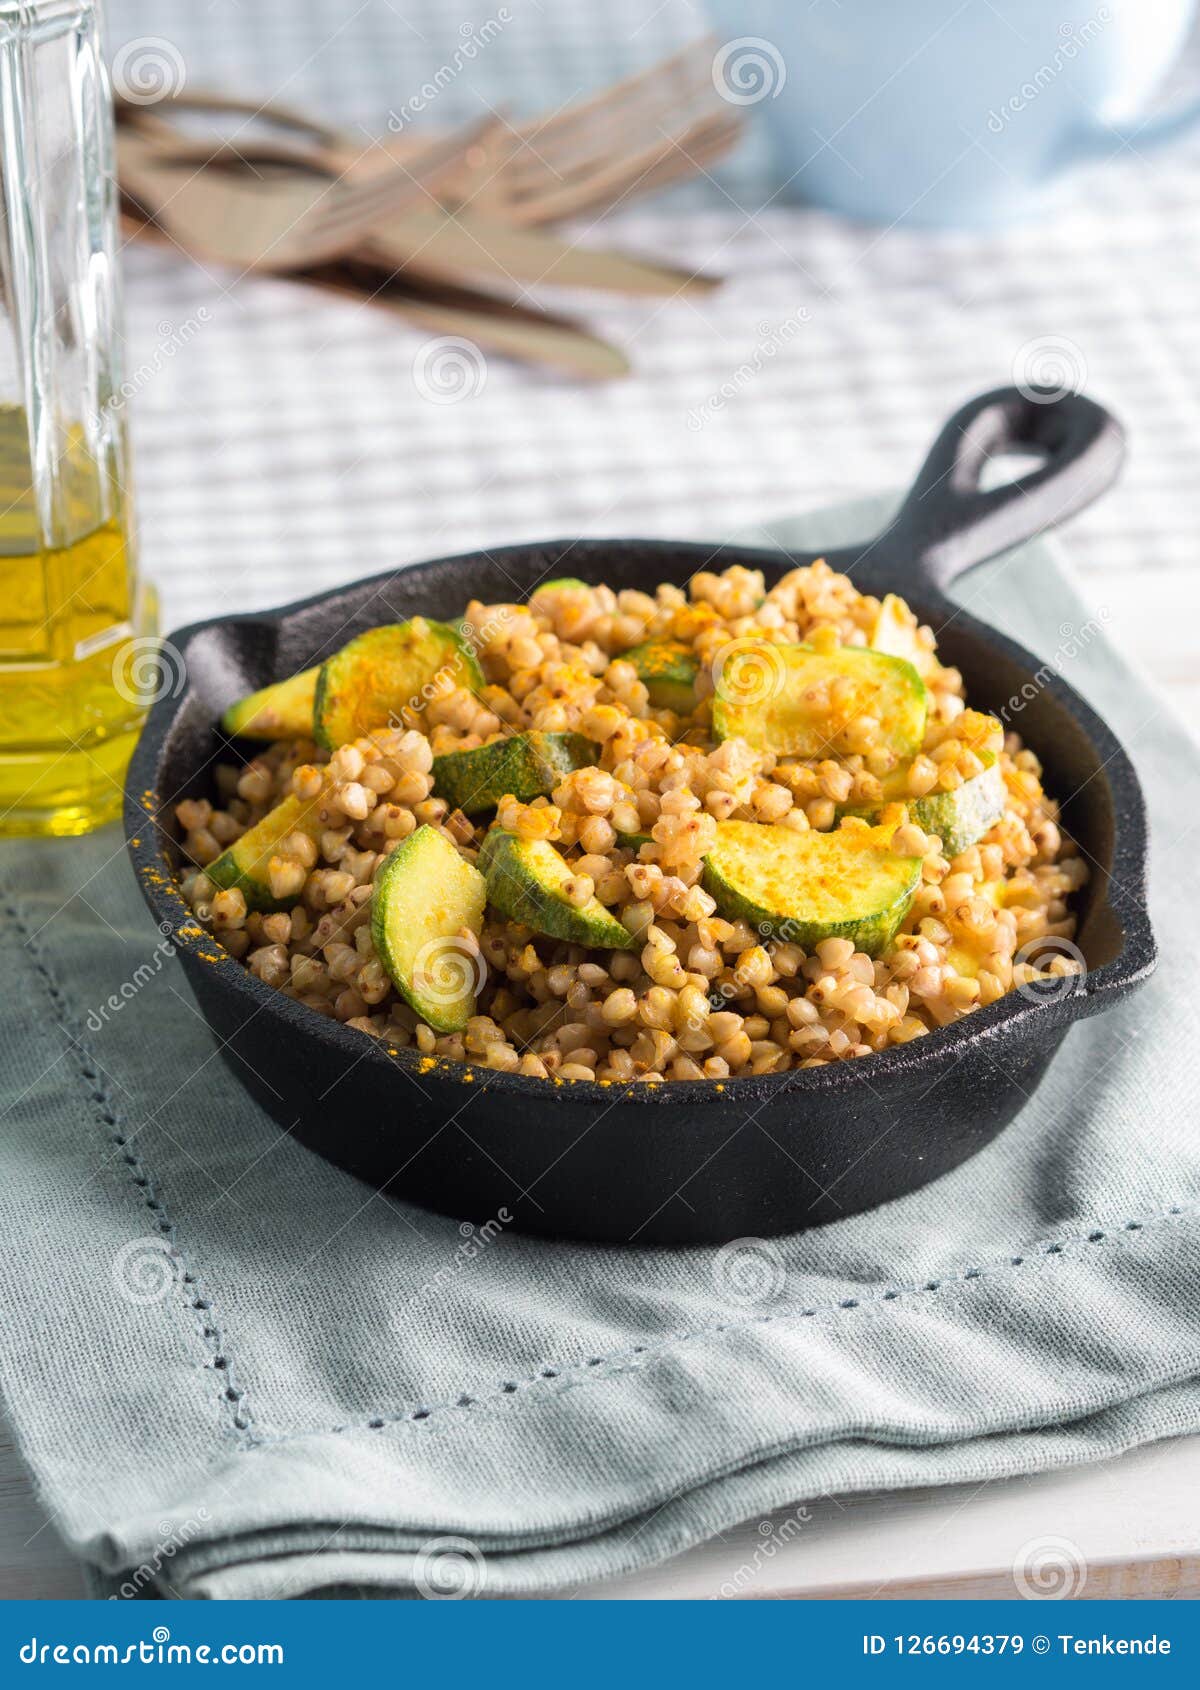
[(1133, 1521)]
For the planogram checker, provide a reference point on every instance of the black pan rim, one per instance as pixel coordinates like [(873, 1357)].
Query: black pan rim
[(146, 841)]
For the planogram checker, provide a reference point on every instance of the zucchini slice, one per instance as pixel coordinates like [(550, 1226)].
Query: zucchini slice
[(246, 863), (524, 766), (668, 670), (806, 887), (388, 675), (283, 710), (524, 882), (895, 633), (958, 818), (961, 817), (426, 899), (798, 703)]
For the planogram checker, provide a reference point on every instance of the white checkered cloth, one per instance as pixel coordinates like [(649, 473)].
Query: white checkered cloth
[(283, 444)]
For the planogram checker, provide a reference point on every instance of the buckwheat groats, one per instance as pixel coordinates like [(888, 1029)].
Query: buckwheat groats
[(694, 834)]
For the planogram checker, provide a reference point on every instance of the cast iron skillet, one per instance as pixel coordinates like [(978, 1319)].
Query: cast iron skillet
[(685, 1162)]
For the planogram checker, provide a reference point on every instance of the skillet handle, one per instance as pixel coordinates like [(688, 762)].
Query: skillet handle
[(948, 523)]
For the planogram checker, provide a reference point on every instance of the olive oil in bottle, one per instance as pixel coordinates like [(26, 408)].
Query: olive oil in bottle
[(76, 626), (76, 646)]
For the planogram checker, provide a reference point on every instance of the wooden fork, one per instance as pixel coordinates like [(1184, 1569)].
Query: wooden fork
[(654, 127), (432, 241), (288, 221), (494, 325), (658, 125)]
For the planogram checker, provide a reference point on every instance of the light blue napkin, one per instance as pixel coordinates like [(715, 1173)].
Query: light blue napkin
[(236, 1372)]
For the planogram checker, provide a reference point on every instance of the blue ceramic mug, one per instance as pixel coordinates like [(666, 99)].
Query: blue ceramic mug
[(949, 112)]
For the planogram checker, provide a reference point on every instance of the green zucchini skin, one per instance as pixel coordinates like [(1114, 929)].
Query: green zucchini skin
[(523, 877), (558, 582), (425, 896), (284, 710), (244, 864), (959, 818), (667, 669), (775, 697), (805, 887), (231, 876), (523, 766), (384, 673)]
